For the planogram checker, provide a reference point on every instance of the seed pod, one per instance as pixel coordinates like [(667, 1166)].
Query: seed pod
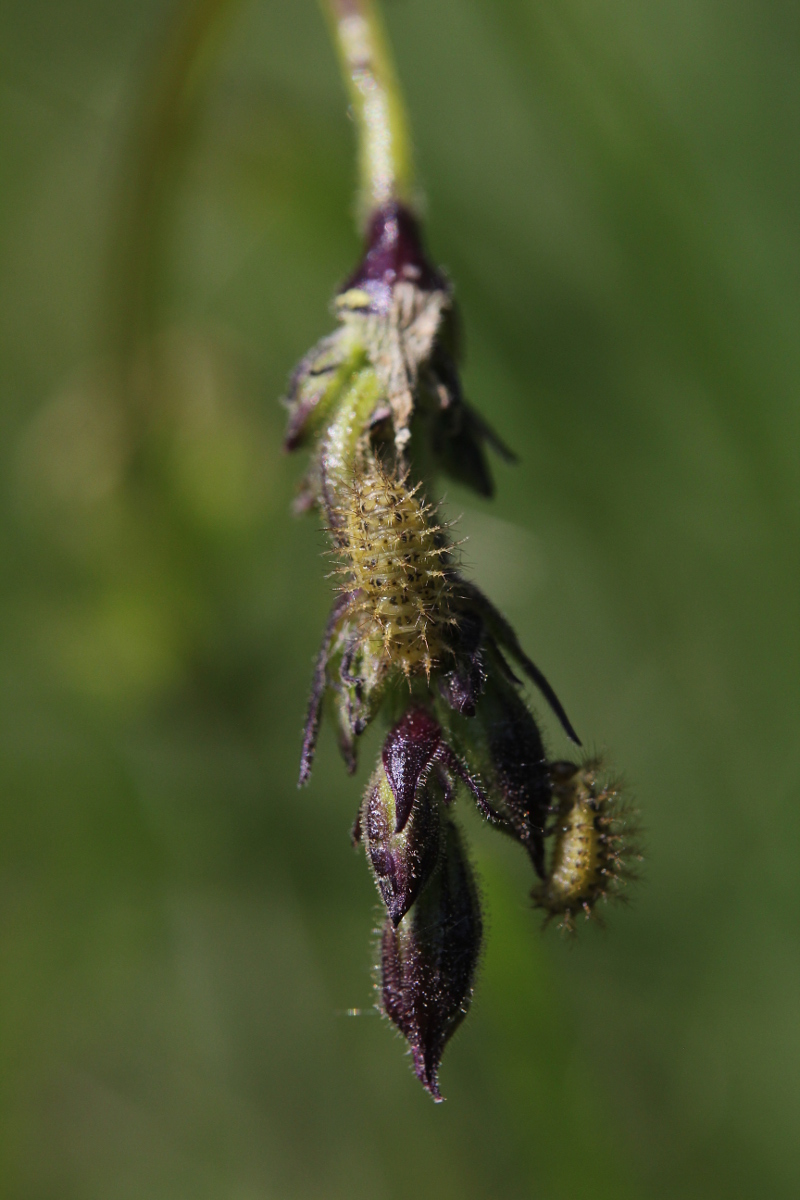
[(402, 859), (428, 962), (409, 751), (593, 841), (401, 814)]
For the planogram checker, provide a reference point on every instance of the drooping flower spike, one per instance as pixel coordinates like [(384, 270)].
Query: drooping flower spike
[(379, 406)]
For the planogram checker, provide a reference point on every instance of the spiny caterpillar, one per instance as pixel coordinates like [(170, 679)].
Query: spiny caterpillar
[(394, 561), (589, 856)]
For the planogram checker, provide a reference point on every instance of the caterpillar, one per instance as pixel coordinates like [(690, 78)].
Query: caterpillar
[(593, 844), (395, 562)]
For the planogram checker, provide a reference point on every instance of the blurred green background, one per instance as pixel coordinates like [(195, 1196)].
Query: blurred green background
[(614, 189)]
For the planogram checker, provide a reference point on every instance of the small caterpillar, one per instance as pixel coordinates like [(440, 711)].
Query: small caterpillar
[(394, 558), (589, 859)]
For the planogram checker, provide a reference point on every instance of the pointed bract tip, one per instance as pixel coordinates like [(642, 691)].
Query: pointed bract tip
[(428, 962), (427, 1072)]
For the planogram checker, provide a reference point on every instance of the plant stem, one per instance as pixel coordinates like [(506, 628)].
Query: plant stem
[(384, 142)]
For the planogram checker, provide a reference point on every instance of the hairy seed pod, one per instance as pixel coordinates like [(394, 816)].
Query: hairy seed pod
[(400, 819), (428, 962), (394, 555), (593, 841), (411, 748), (403, 859)]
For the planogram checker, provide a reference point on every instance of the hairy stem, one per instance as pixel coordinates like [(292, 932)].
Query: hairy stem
[(384, 142)]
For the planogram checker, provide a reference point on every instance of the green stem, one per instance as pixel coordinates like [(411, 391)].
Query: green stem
[(385, 157)]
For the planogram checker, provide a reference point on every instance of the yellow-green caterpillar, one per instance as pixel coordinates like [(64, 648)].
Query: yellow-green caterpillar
[(592, 843), (395, 564)]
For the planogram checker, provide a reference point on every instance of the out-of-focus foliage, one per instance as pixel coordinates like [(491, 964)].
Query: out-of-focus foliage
[(614, 190)]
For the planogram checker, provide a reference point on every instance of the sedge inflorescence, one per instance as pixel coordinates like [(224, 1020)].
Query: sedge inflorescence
[(409, 639)]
